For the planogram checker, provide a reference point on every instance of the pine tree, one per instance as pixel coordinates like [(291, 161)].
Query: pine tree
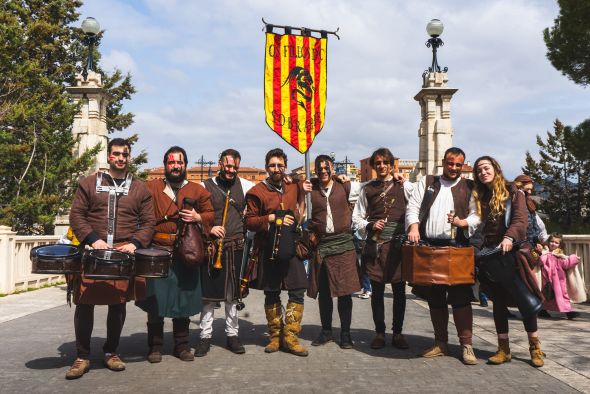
[(568, 41), (40, 53), (558, 173)]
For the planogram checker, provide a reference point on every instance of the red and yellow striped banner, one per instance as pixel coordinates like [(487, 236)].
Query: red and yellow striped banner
[(295, 87)]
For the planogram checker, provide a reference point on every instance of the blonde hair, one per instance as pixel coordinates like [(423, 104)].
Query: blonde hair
[(499, 189)]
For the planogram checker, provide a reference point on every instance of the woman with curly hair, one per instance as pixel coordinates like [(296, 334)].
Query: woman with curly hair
[(491, 194)]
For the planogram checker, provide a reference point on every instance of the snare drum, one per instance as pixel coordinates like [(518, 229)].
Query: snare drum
[(55, 259), (107, 264), (152, 263)]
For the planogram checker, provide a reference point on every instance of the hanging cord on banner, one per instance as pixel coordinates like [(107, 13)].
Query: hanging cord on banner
[(304, 30)]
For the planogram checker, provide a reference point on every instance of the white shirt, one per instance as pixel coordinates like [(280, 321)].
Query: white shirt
[(437, 225), (329, 218), (359, 214)]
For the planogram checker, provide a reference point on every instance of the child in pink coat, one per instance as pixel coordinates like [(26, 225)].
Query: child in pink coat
[(554, 264)]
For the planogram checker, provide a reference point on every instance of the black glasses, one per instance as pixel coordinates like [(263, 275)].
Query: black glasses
[(124, 154)]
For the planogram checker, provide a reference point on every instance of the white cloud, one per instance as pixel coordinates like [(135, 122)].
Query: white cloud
[(189, 56), (120, 60)]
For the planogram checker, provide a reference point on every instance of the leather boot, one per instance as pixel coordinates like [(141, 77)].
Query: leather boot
[(536, 354), (274, 319), (293, 317), (181, 338), (155, 342), (439, 349), (502, 354)]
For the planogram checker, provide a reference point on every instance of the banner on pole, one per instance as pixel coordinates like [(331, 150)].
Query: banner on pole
[(295, 87)]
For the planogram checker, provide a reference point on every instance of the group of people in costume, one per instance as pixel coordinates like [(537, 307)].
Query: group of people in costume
[(291, 252)]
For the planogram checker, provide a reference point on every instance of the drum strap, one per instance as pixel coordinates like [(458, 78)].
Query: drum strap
[(112, 209), (113, 190)]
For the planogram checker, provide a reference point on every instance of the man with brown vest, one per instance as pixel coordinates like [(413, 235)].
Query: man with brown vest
[(273, 212), (436, 204), (380, 213), (334, 266), (110, 210)]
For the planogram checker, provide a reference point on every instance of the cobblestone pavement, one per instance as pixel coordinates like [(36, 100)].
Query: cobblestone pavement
[(37, 347)]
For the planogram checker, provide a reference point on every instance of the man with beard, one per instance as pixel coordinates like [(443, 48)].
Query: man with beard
[(379, 213), (436, 204), (179, 295), (334, 266), (272, 212), (227, 194), (110, 210)]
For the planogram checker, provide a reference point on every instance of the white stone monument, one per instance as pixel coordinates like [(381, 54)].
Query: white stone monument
[(436, 131), (90, 124), (89, 127)]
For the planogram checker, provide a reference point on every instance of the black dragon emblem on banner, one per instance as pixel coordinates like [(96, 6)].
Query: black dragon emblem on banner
[(304, 89)]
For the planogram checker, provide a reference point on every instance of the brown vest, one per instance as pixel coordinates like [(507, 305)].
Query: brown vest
[(341, 213), (234, 227), (461, 195), (376, 202)]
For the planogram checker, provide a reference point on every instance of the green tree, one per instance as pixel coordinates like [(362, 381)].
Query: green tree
[(40, 54), (568, 41), (561, 176)]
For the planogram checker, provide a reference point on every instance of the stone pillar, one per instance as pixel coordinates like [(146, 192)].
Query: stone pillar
[(90, 127), (436, 132), (90, 124), (7, 246)]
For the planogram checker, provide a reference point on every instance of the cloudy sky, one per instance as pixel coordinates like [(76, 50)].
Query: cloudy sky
[(198, 69)]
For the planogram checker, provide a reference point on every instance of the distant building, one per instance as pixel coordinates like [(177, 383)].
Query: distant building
[(405, 167), (201, 173)]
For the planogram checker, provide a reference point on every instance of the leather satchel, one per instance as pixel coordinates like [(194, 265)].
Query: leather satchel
[(189, 247)]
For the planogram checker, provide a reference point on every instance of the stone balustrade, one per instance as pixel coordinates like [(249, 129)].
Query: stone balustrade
[(15, 264), (580, 245)]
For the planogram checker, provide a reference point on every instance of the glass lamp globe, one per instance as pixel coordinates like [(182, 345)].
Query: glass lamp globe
[(90, 26), (434, 28)]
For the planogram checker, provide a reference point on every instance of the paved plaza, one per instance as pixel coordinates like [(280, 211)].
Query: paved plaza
[(37, 346)]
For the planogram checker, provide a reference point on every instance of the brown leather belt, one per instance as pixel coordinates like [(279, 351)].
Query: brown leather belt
[(165, 237)]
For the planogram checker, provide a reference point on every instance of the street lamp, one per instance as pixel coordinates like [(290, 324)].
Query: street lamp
[(434, 28), (91, 28)]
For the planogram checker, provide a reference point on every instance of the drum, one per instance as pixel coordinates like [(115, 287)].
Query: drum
[(152, 263), (55, 259), (107, 264), (447, 265)]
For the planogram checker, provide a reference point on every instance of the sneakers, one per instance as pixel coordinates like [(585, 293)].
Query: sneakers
[(203, 347), (399, 341), (79, 368), (379, 341), (439, 349), (346, 340), (483, 303), (468, 357), (365, 295), (234, 345), (324, 337), (113, 362)]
